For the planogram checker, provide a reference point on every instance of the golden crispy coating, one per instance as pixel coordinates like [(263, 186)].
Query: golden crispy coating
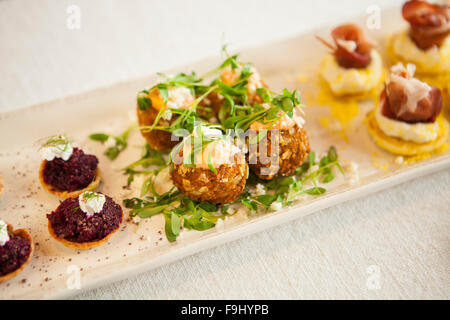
[(406, 148), (293, 146), (157, 139), (202, 184)]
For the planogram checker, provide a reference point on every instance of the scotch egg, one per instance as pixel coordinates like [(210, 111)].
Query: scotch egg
[(209, 167)]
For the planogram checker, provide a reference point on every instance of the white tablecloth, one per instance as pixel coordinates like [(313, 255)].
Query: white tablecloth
[(393, 244)]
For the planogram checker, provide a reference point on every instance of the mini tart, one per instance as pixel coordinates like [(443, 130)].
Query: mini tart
[(23, 233), (406, 148), (67, 194), (422, 59), (352, 82), (80, 245)]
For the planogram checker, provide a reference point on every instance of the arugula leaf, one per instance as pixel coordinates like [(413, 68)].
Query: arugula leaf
[(102, 137), (175, 224), (171, 237)]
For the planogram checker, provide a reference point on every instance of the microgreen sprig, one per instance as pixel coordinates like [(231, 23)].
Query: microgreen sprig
[(56, 141)]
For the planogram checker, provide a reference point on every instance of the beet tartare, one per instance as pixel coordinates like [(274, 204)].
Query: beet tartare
[(15, 252), (74, 174), (71, 225)]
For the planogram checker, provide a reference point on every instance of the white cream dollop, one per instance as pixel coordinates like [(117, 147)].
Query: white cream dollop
[(218, 152), (434, 59), (91, 202), (4, 236), (344, 81), (179, 97), (63, 151), (416, 132), (348, 45)]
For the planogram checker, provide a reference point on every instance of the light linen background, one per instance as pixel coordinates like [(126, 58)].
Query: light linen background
[(393, 244)]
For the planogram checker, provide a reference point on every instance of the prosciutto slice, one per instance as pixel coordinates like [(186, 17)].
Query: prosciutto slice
[(430, 23), (351, 46), (408, 99)]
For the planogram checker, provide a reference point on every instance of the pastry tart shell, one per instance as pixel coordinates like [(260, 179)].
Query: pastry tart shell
[(66, 194), (23, 233), (80, 245)]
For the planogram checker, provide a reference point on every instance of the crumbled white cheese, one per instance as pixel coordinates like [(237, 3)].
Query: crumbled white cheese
[(259, 190), (230, 210), (220, 224), (91, 202), (4, 236), (353, 173), (399, 160), (136, 219), (179, 97), (348, 45), (111, 142), (63, 151), (180, 236), (167, 115), (275, 206)]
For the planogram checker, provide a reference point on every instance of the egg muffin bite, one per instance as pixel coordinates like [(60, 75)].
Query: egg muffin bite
[(353, 68), (207, 166), (67, 171), (427, 41), (408, 122), (16, 250)]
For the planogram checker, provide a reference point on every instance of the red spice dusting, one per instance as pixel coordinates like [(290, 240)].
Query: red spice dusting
[(71, 223), (74, 174)]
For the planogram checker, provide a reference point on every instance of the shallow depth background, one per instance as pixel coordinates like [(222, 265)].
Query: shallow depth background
[(397, 238)]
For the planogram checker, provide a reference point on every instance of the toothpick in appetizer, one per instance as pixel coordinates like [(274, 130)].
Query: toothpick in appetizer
[(354, 67)]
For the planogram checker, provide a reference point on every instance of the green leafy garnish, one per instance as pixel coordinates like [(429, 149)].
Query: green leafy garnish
[(120, 142)]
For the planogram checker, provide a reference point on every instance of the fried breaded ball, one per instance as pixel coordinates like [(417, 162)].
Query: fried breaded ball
[(200, 183), (282, 155), (178, 97)]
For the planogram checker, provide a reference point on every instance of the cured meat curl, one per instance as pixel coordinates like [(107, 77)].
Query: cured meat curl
[(351, 47), (430, 23), (407, 99)]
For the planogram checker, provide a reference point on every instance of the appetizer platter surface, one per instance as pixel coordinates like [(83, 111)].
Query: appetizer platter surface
[(97, 190)]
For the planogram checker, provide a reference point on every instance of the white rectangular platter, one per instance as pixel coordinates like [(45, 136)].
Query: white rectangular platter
[(290, 63)]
